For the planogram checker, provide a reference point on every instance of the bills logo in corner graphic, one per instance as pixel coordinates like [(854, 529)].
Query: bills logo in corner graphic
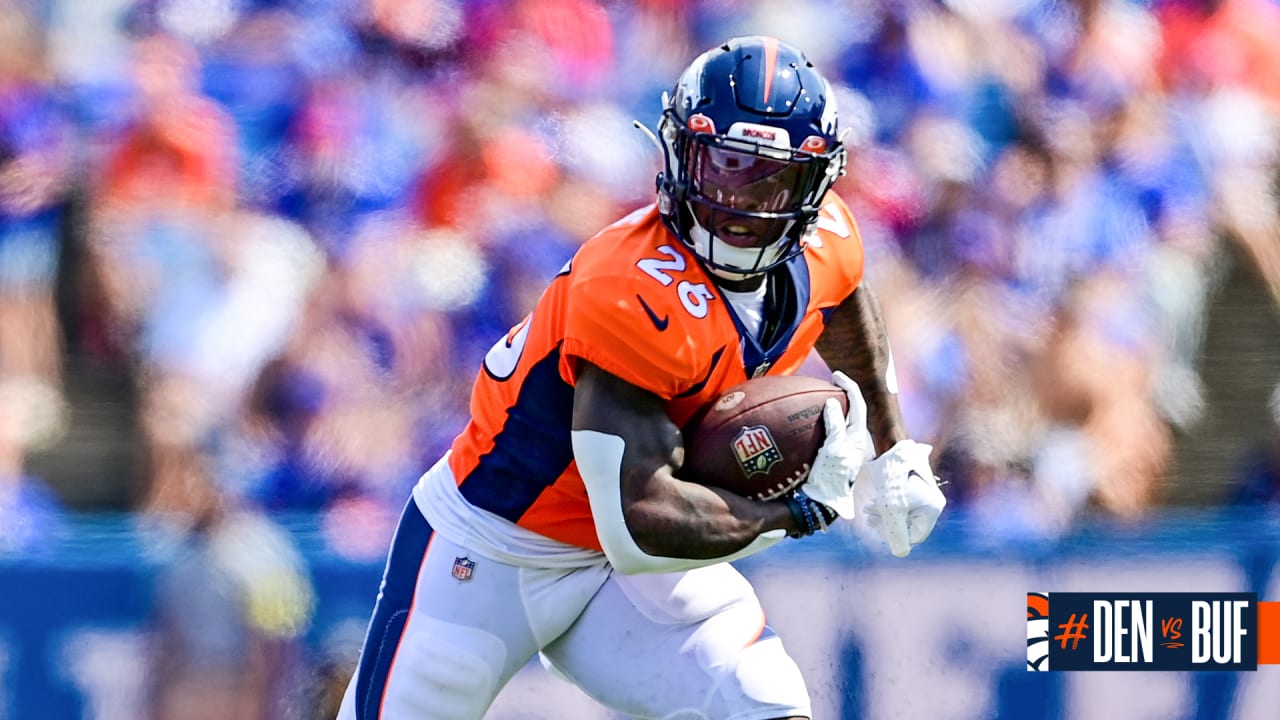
[(1038, 632)]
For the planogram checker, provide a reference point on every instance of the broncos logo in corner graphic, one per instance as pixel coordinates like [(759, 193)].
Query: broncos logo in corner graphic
[(1037, 631)]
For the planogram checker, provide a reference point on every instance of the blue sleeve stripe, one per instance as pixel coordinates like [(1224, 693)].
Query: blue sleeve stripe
[(533, 449)]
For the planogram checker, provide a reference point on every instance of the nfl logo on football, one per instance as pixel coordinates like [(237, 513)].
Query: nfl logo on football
[(463, 567), (756, 450)]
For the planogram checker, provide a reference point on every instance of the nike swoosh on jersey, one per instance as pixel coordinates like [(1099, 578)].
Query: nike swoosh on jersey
[(659, 322)]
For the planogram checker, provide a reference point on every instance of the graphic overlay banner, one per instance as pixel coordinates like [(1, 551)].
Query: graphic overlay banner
[(1151, 631)]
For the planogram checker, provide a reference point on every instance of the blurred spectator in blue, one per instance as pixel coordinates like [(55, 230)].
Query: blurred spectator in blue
[(1087, 222), (1097, 376), (219, 300), (1256, 475), (255, 73), (232, 603), (339, 419), (1151, 160), (29, 511), (356, 151), (285, 404), (881, 63), (35, 180)]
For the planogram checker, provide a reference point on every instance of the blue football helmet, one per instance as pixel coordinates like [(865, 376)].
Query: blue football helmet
[(751, 147)]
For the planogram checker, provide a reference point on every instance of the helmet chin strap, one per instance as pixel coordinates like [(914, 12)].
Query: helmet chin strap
[(741, 260)]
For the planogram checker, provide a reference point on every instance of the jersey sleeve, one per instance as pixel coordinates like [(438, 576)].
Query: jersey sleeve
[(612, 323), (838, 255)]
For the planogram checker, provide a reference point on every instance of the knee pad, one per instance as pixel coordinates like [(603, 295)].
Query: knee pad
[(440, 671)]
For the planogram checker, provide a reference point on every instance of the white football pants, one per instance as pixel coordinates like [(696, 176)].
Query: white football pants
[(447, 635)]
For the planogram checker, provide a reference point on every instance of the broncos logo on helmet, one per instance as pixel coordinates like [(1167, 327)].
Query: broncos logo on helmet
[(751, 146)]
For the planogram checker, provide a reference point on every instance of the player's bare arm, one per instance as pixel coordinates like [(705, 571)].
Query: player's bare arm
[(666, 516), (855, 342)]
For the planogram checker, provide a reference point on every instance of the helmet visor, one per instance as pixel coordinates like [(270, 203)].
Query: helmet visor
[(745, 180)]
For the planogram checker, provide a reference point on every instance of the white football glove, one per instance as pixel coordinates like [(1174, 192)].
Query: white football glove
[(843, 453), (899, 496)]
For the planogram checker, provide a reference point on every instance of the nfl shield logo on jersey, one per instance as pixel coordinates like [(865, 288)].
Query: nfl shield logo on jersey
[(463, 567), (756, 450)]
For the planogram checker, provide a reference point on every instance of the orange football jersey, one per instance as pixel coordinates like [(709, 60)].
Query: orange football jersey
[(635, 302)]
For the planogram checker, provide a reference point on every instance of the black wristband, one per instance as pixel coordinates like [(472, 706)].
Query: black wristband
[(797, 515)]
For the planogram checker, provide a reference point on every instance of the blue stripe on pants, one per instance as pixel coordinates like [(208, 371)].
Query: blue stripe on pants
[(392, 610)]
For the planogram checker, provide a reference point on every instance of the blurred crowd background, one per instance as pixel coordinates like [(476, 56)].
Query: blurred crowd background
[(252, 251)]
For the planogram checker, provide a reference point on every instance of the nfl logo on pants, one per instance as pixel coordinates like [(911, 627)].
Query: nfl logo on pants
[(463, 567)]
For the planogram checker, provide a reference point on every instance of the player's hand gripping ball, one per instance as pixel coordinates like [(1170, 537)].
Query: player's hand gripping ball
[(760, 437)]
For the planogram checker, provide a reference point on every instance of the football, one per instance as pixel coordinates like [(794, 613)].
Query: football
[(759, 438)]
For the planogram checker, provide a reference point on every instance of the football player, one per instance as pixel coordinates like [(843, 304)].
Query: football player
[(556, 523)]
